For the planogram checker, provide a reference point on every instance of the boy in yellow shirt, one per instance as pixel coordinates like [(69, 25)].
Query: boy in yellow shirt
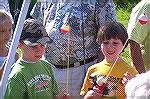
[(112, 37)]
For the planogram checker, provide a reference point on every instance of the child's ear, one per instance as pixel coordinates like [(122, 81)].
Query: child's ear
[(19, 45)]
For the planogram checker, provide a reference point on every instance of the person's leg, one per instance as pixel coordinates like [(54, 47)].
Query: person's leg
[(74, 80)]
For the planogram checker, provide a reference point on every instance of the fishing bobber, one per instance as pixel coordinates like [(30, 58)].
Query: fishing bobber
[(143, 19), (65, 29), (101, 82)]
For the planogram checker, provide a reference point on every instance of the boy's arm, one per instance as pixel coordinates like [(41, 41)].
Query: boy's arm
[(91, 95), (136, 56), (86, 83)]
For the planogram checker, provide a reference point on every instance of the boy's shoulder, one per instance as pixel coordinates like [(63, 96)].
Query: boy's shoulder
[(45, 62), (20, 68), (126, 67), (100, 64)]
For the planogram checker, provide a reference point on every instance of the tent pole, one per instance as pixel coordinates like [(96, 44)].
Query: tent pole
[(13, 47)]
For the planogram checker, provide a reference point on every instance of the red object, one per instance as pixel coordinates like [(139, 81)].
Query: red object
[(143, 19), (99, 89), (65, 29)]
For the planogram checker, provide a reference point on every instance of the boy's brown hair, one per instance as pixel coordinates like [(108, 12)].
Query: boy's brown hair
[(113, 30)]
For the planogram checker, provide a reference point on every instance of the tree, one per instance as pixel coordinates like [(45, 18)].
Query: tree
[(15, 7)]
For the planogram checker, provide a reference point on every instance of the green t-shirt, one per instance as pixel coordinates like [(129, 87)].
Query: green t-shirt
[(31, 81), (141, 32)]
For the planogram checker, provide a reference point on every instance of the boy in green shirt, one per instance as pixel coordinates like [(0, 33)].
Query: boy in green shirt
[(31, 77)]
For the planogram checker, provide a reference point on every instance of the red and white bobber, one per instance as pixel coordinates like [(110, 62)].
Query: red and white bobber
[(143, 19)]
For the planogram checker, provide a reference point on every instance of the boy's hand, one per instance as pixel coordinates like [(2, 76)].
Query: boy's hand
[(126, 78), (92, 94), (97, 91)]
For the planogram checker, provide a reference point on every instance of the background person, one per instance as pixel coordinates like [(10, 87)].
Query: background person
[(139, 38), (6, 22), (80, 20)]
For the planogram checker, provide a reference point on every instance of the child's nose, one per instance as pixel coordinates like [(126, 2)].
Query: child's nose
[(110, 45)]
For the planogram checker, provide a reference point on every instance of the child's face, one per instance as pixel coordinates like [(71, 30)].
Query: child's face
[(32, 54), (111, 48), (5, 31)]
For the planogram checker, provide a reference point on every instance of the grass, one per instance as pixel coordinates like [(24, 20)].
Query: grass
[(123, 12), (123, 16)]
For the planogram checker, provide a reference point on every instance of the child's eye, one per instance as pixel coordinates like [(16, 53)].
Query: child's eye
[(105, 42), (33, 46), (41, 45), (2, 31), (115, 43), (10, 30)]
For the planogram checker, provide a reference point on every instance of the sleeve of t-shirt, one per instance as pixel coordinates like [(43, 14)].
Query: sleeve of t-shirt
[(15, 87), (137, 31), (133, 71), (86, 83), (105, 11)]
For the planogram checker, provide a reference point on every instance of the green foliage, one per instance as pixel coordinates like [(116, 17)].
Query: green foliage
[(123, 16), (126, 4), (126, 56), (15, 7), (123, 11)]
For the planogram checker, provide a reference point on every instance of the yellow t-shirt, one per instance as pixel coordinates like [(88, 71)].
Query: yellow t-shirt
[(115, 88)]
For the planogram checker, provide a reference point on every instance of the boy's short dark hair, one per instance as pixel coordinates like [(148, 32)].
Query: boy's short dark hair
[(112, 30), (34, 32)]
